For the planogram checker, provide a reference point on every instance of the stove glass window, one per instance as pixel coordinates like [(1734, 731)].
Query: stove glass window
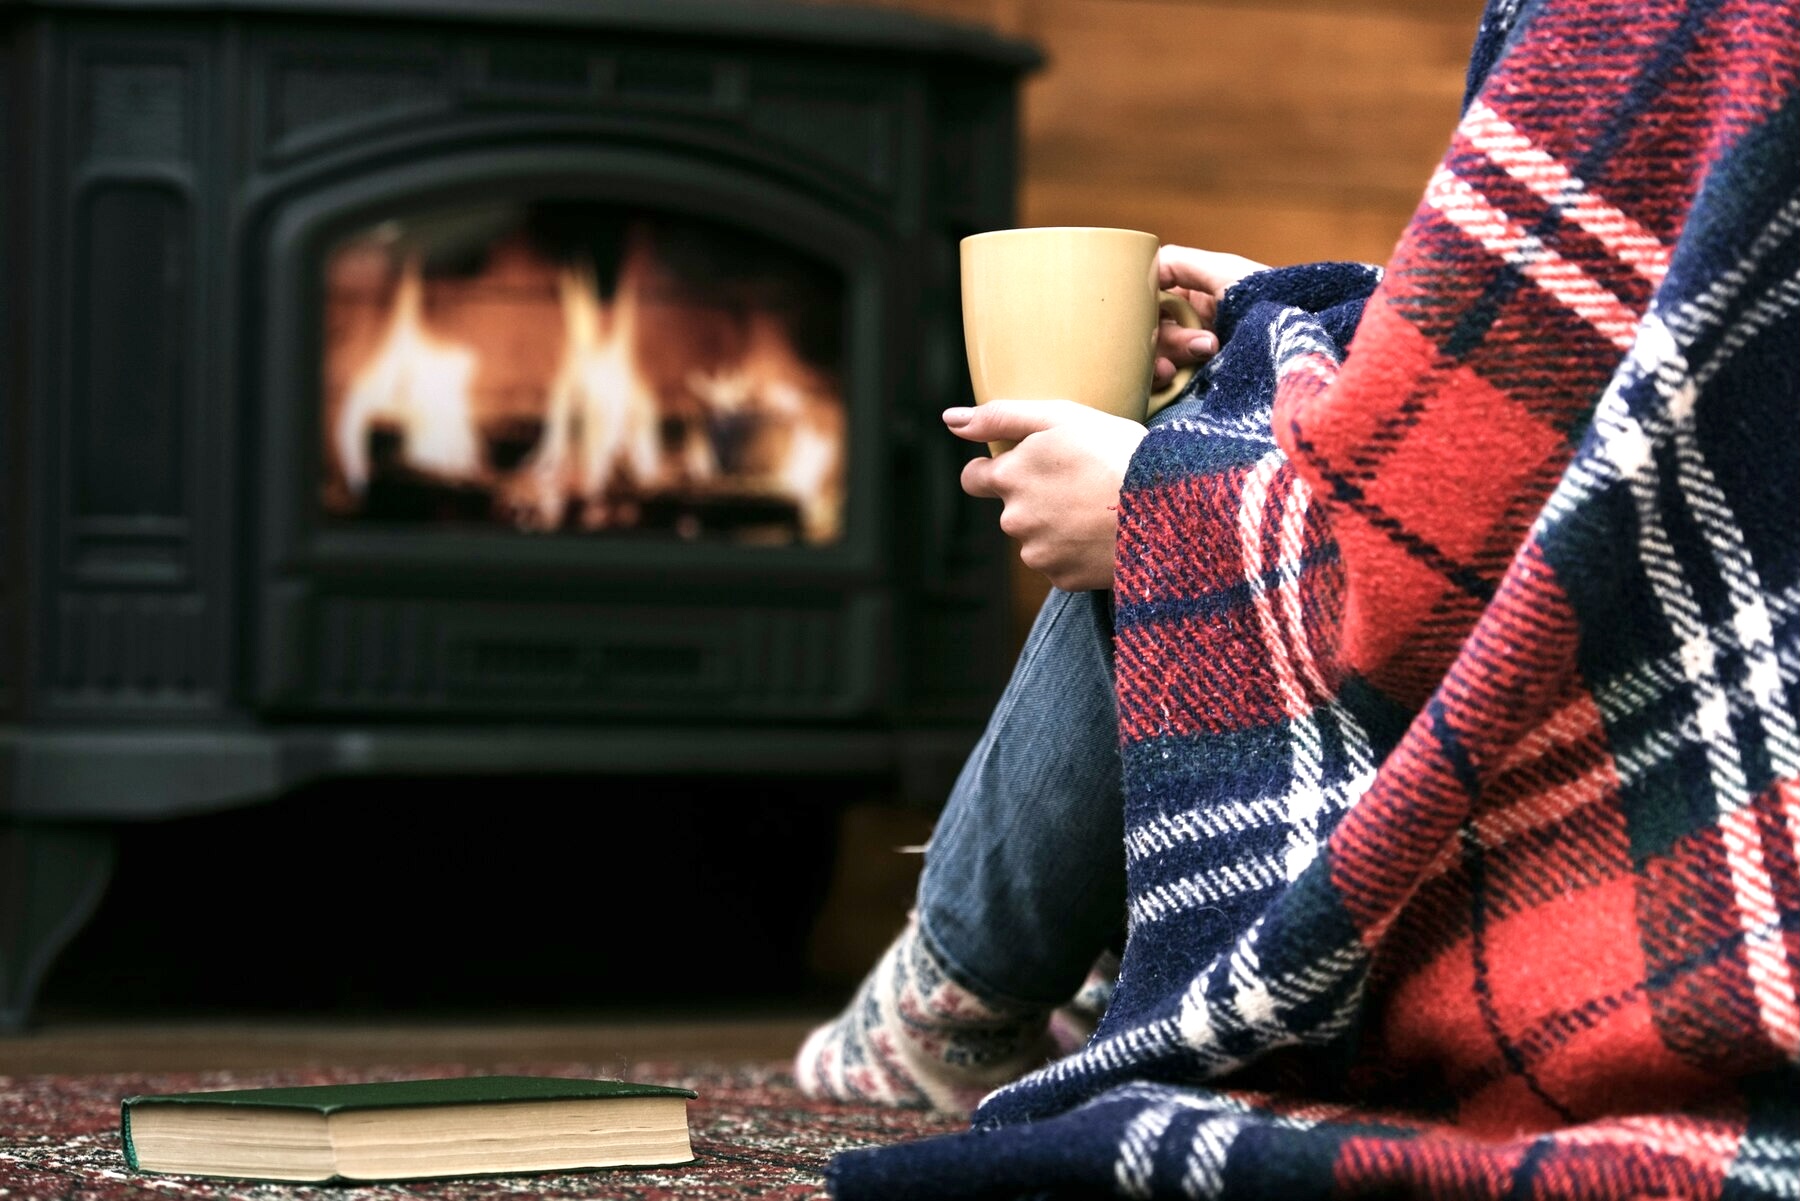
[(577, 369)]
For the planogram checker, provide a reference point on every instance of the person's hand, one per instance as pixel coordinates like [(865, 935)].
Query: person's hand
[(1202, 277), (1059, 485)]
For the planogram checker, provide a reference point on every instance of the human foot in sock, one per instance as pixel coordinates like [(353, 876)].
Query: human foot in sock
[(915, 1039)]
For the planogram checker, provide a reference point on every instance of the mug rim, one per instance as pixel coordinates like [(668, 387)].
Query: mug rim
[(1044, 229)]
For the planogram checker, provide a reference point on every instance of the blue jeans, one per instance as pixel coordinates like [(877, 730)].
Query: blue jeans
[(1024, 878)]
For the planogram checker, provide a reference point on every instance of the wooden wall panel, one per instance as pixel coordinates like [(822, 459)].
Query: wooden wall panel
[(1288, 131), (1283, 134)]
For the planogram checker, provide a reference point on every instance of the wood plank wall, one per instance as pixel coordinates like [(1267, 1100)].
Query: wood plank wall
[(1285, 130)]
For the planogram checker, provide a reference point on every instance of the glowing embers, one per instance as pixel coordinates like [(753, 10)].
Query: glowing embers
[(567, 367)]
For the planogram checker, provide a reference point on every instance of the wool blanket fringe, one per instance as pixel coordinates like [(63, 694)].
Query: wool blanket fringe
[(1458, 636)]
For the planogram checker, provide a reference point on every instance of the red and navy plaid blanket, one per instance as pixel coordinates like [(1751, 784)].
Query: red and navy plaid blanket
[(1458, 679)]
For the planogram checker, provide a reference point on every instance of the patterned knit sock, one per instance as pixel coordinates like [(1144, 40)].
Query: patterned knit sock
[(1073, 1024), (914, 1039)]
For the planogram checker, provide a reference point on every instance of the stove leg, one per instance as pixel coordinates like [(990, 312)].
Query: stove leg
[(52, 877)]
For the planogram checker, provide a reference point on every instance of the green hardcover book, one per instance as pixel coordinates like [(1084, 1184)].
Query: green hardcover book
[(409, 1129)]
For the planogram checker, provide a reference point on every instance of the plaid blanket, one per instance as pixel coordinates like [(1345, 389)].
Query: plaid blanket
[(1458, 679)]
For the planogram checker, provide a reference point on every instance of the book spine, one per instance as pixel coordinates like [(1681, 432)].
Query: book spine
[(131, 1159)]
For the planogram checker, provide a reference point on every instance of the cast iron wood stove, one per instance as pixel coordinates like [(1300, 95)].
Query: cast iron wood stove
[(478, 386)]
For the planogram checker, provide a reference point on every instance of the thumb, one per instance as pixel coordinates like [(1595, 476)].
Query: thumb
[(1008, 420), (1202, 270)]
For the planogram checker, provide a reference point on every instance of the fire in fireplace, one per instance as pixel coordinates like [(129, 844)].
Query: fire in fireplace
[(572, 367)]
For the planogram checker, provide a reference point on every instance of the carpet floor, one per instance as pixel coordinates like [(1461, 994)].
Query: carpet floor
[(754, 1136)]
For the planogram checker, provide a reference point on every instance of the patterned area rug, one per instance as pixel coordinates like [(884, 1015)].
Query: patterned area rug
[(754, 1136)]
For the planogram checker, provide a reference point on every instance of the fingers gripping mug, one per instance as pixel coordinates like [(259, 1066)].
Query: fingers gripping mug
[(1068, 312)]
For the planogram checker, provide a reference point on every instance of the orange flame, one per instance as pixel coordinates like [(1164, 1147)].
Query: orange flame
[(602, 423), (796, 425), (418, 383)]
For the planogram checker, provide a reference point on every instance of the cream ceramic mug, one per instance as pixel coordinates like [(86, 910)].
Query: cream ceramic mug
[(1067, 312)]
